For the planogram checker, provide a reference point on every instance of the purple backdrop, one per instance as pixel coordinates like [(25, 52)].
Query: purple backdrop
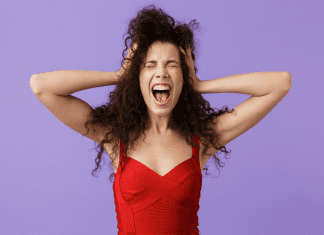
[(272, 184)]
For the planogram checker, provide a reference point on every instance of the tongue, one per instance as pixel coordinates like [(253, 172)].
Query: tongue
[(161, 96)]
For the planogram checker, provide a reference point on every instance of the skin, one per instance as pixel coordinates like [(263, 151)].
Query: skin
[(161, 72)]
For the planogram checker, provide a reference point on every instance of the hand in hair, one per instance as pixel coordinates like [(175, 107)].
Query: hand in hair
[(190, 63), (128, 59)]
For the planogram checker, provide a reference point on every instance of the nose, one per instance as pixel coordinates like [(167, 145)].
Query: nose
[(161, 72)]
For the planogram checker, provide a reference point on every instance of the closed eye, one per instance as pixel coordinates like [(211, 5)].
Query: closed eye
[(153, 66)]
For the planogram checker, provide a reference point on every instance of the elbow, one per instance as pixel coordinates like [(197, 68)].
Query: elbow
[(288, 75), (32, 83), (287, 78)]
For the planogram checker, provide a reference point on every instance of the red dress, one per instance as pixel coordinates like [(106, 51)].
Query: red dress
[(148, 203)]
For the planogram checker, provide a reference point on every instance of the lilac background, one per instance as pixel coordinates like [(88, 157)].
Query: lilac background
[(272, 184)]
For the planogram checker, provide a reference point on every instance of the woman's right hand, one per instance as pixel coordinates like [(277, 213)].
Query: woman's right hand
[(130, 54)]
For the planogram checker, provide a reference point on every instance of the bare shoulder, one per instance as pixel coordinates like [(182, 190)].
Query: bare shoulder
[(206, 146), (101, 132), (109, 147), (203, 142)]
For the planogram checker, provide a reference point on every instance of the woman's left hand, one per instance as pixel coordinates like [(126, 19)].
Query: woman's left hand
[(195, 80)]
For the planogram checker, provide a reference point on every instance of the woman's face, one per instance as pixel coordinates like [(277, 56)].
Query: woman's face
[(161, 65)]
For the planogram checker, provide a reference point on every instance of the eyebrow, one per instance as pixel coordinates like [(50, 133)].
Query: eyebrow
[(154, 61)]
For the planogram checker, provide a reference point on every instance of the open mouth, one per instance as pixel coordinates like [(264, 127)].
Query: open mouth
[(161, 97)]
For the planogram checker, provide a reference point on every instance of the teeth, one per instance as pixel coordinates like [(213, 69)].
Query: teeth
[(161, 87)]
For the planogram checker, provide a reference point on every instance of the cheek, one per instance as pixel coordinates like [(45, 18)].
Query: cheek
[(146, 94), (143, 87), (178, 94)]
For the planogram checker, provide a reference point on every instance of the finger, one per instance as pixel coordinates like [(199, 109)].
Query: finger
[(182, 50), (189, 50), (135, 45)]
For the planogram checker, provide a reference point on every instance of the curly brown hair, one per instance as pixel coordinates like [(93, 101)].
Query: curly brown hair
[(126, 112)]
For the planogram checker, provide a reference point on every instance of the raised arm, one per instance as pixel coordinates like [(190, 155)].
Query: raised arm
[(54, 91), (66, 82)]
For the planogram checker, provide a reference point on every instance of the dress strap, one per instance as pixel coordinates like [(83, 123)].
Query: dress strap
[(122, 146), (195, 150)]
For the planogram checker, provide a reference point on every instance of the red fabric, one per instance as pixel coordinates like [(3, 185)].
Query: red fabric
[(147, 203)]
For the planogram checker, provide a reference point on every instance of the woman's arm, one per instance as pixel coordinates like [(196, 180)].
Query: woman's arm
[(255, 84), (66, 82)]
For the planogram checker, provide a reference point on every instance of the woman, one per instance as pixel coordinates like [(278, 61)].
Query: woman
[(158, 104)]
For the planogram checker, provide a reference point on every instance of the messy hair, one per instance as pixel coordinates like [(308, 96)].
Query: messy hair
[(126, 113)]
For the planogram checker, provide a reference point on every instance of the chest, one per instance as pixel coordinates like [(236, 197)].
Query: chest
[(161, 154)]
